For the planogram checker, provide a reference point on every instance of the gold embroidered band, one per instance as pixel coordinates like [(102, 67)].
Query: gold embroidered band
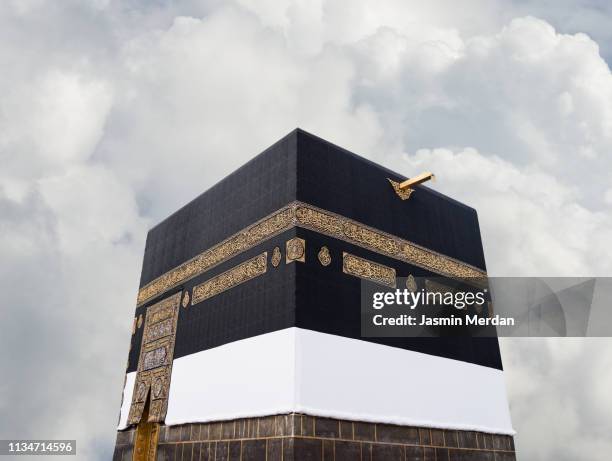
[(230, 247), (299, 214), (231, 278), (372, 239), (368, 270)]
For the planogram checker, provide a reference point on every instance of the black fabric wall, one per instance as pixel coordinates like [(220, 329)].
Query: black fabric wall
[(255, 190), (261, 305), (337, 180), (328, 300), (303, 167)]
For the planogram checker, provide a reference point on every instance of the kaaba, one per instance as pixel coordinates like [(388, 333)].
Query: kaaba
[(246, 340)]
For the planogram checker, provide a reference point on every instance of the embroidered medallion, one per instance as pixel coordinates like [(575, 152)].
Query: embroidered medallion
[(186, 299), (141, 392), (411, 283), (276, 256), (157, 387), (324, 256), (296, 250)]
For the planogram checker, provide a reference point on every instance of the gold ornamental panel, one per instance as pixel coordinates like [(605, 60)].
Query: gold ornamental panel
[(317, 219), (231, 278), (370, 238), (155, 361), (368, 270)]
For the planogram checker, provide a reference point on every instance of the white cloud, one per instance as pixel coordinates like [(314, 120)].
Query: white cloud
[(90, 207), (112, 117), (51, 120), (531, 223), (557, 394)]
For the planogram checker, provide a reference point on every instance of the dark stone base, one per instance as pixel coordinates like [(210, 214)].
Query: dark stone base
[(296, 437)]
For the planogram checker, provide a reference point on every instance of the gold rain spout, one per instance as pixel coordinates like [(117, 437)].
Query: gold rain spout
[(419, 179), (406, 188)]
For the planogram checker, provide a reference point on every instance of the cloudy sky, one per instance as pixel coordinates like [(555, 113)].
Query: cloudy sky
[(114, 114)]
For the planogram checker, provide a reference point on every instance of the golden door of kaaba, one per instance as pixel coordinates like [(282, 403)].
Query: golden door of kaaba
[(151, 387), (145, 443)]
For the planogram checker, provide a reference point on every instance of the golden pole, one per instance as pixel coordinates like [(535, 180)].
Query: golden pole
[(419, 179)]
